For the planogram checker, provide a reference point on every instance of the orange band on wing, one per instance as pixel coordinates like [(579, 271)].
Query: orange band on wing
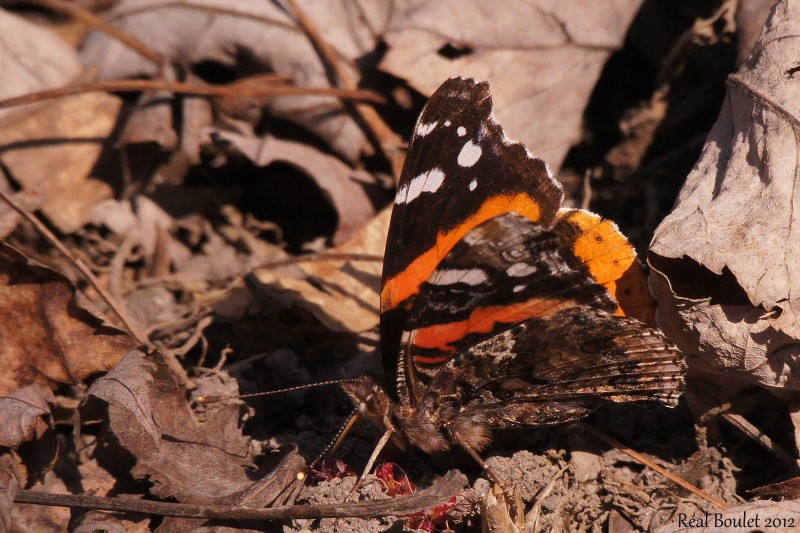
[(483, 320), (612, 262), (602, 247), (407, 282)]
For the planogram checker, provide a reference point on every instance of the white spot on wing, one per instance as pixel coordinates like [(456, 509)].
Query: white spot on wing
[(424, 129), (447, 123), (518, 270), (473, 185), (429, 181), (461, 131), (519, 288), (469, 154), (473, 276)]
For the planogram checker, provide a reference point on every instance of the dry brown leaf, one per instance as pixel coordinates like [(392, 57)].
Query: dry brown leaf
[(126, 387), (261, 34), (150, 417), (8, 489), (788, 489), (499, 515), (32, 58), (542, 58), (750, 18), (53, 153), (22, 415), (343, 295), (46, 336), (50, 149), (343, 186), (97, 521), (726, 261)]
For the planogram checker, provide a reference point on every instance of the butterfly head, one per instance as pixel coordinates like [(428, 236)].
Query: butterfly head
[(374, 404), (408, 424)]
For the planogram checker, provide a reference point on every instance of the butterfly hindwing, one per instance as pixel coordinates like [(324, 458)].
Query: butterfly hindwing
[(556, 368), (610, 259)]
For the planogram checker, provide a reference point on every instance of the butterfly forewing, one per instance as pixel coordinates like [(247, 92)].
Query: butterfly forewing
[(501, 273), (460, 171)]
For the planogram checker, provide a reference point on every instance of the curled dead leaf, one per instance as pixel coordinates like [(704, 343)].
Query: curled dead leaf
[(726, 261), (343, 295), (192, 461), (127, 387), (22, 414), (343, 186), (47, 337), (263, 36), (566, 49)]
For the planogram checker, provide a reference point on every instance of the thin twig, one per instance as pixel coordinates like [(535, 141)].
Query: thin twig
[(314, 258), (438, 493), (92, 20), (112, 302), (235, 89), (762, 438), (653, 466), (379, 134), (532, 518)]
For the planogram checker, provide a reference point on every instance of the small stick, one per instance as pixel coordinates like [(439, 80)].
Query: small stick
[(653, 466), (380, 136), (92, 20), (234, 89), (762, 438), (439, 492), (112, 302)]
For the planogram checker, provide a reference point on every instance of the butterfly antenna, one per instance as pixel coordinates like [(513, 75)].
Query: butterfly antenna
[(214, 399), (352, 418)]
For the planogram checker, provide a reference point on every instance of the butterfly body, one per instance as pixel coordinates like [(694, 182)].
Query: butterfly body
[(499, 308)]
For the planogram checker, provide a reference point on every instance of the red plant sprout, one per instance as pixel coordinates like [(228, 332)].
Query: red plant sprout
[(436, 520), (331, 469), (394, 479)]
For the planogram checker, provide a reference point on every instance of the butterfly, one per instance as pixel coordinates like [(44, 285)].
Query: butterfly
[(500, 308)]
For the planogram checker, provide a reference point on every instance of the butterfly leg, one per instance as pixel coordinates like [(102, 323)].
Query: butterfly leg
[(374, 457), (453, 436)]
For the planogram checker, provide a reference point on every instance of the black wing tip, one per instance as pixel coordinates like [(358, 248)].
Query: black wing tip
[(463, 88)]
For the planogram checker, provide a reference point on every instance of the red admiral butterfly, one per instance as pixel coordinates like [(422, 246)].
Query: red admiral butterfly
[(499, 308)]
